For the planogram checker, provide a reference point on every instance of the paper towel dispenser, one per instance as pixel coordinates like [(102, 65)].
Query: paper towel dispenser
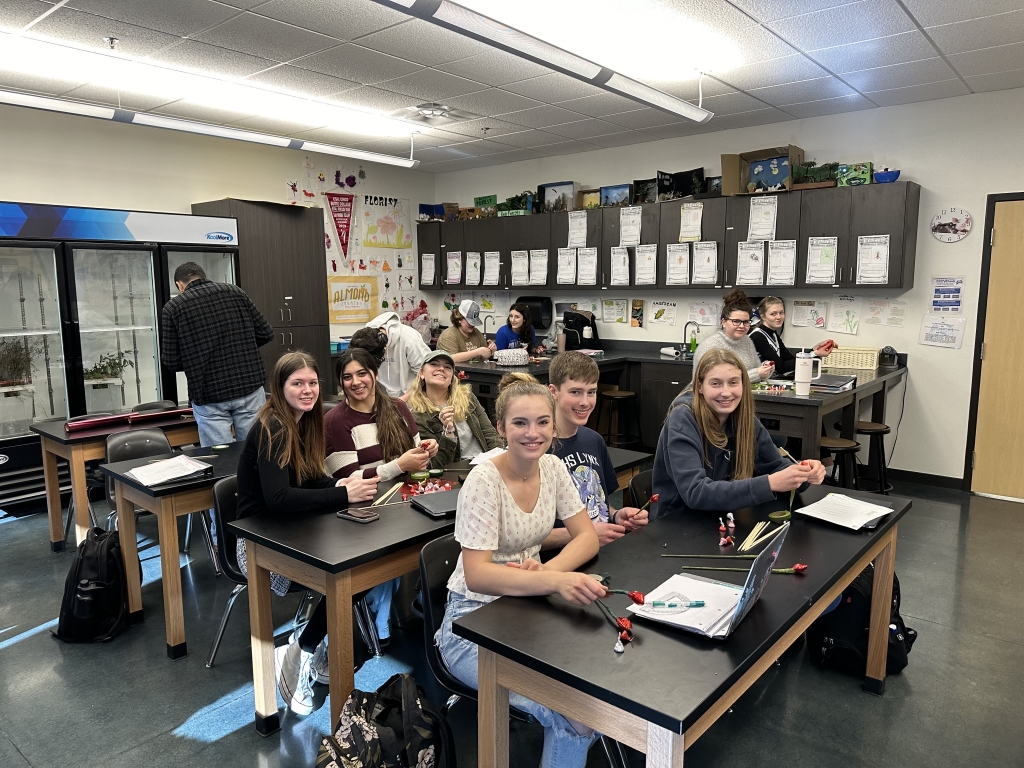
[(540, 310)]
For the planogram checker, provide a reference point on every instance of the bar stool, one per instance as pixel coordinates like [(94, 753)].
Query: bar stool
[(616, 398), (845, 452), (877, 432)]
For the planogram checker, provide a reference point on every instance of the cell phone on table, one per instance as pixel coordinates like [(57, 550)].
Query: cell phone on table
[(363, 515)]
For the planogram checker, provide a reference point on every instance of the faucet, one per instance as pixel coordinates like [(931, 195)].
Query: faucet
[(486, 318), (686, 339)]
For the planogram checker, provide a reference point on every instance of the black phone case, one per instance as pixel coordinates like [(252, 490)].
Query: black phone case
[(365, 517)]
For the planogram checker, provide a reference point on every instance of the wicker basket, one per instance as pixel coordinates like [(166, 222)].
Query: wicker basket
[(858, 358)]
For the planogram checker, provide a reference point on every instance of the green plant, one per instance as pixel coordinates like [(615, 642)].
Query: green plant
[(16, 360), (516, 202), (109, 366)]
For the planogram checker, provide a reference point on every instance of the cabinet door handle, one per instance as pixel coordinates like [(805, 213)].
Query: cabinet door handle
[(282, 314), (674, 383), (291, 339), (727, 277), (282, 339), (289, 315), (851, 274)]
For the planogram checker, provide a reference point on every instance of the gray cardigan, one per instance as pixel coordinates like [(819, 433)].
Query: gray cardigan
[(684, 481), (744, 349)]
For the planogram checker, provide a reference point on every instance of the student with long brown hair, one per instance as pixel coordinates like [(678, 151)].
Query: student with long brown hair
[(713, 454), (732, 335)]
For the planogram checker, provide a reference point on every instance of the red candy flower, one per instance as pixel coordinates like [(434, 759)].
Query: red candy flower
[(626, 636), (623, 623), (653, 500), (637, 597), (800, 567)]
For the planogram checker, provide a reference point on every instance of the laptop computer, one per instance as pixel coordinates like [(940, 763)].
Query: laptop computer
[(437, 505)]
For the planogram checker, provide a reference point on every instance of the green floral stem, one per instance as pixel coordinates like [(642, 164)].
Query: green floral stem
[(741, 570), (718, 557)]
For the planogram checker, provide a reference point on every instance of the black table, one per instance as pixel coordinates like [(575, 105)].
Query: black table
[(87, 445), (168, 502), (670, 686)]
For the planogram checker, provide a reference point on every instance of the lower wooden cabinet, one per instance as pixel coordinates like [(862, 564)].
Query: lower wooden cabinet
[(660, 384)]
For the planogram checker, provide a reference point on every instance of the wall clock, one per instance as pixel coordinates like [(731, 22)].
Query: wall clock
[(951, 224)]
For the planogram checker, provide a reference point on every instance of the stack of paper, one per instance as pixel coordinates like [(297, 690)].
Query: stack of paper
[(714, 619), (480, 458), (845, 511), (164, 471)]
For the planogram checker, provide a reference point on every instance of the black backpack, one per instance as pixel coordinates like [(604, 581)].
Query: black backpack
[(393, 727), (95, 604), (574, 323), (839, 640)]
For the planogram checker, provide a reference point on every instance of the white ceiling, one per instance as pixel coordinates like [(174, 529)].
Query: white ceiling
[(804, 58)]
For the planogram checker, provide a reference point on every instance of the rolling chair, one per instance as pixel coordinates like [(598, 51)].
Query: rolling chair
[(156, 405), (641, 487)]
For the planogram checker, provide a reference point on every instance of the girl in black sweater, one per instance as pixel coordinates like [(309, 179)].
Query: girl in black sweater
[(767, 337)]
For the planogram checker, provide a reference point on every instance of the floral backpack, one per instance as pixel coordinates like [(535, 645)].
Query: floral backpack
[(393, 727)]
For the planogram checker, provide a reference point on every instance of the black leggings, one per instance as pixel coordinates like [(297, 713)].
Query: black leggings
[(316, 630)]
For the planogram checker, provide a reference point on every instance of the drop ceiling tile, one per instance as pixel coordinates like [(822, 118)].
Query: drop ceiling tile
[(900, 75), (566, 148), (913, 93), (638, 119), (515, 156), (495, 68), (542, 117), (243, 5), (353, 62), (493, 101), (789, 69), (301, 81), (601, 105), (453, 152), (757, 43), (1002, 58), (585, 129), (274, 126), (437, 138), (748, 119), (462, 165), (85, 30), (15, 14), (45, 86), (200, 112), (553, 88), (482, 147), (98, 94), (260, 36), (432, 85), (334, 136), (690, 90), (677, 131), (423, 42), (807, 90), (475, 128), (387, 145), (367, 97), (731, 103), (771, 10), (621, 139), (828, 106), (530, 139), (881, 52), (1003, 29), (997, 81), (181, 17), (209, 59), (842, 24), (713, 14), (933, 12), (341, 19)]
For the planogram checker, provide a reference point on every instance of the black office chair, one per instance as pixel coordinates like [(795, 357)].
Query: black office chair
[(641, 487), (156, 405)]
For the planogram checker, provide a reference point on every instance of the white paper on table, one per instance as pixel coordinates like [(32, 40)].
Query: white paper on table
[(821, 260), (620, 266), (750, 263), (426, 269), (492, 267), (846, 313), (566, 274), (614, 311), (472, 268), (164, 471), (480, 458), (763, 215), (809, 314), (539, 266), (663, 312), (690, 215), (947, 295), (872, 260), (577, 229), (844, 511), (705, 263), (520, 268), (586, 260), (646, 264), (782, 262), (887, 312), (703, 313), (677, 264), (454, 267), (942, 331), (629, 226), (720, 601)]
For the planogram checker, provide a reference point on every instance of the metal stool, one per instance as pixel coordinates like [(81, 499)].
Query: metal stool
[(614, 398), (845, 452), (877, 464)]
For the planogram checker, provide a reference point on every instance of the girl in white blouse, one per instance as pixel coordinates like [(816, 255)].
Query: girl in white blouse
[(506, 508)]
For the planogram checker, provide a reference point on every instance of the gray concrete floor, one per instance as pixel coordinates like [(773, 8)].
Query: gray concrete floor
[(959, 703)]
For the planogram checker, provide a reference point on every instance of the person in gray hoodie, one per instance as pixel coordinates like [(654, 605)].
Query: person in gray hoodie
[(713, 454)]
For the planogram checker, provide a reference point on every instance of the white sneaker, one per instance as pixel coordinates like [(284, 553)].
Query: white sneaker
[(320, 669), (294, 677)]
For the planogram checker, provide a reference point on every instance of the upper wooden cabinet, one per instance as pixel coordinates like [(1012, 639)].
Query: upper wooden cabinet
[(650, 233), (737, 221), (428, 241), (452, 242), (712, 228), (886, 209)]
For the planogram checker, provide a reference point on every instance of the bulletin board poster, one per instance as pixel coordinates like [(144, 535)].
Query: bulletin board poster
[(352, 298), (386, 222), (340, 207)]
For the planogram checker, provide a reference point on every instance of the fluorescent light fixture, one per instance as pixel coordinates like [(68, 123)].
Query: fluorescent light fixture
[(220, 131), (359, 154), (55, 105), (588, 21)]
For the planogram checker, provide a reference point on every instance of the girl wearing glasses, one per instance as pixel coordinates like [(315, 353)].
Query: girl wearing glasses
[(767, 337), (736, 311)]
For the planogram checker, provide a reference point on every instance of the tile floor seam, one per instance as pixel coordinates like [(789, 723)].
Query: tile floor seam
[(966, 631), (15, 748)]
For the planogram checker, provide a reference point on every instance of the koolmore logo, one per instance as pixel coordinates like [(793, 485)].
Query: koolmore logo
[(224, 237), (4, 459)]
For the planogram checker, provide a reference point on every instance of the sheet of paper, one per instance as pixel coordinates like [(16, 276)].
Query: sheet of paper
[(808, 314), (480, 458), (492, 267), (629, 226), (872, 260), (677, 264), (454, 267), (426, 269), (763, 214), (690, 216), (566, 274), (821, 260), (168, 469), (942, 331), (720, 600), (620, 266), (947, 295), (539, 266), (577, 229), (705, 263), (472, 268), (663, 313), (846, 313), (614, 311), (750, 263), (703, 313), (887, 312), (586, 259), (782, 262), (520, 268), (646, 264), (845, 511)]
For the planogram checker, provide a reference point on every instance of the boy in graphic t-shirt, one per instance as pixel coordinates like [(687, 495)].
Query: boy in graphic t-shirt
[(572, 380)]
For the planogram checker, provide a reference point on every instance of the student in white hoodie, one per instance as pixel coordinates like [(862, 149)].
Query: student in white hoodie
[(399, 350)]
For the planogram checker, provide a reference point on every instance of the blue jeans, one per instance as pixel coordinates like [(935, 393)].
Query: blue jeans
[(564, 747), (215, 420)]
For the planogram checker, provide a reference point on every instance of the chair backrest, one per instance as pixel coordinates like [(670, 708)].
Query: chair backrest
[(156, 405), (640, 487), (329, 404), (134, 444), (438, 559), (225, 510)]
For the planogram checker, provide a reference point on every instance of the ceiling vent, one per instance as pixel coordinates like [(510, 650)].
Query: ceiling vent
[(435, 114)]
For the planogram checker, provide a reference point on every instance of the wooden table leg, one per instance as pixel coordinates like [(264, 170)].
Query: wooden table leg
[(79, 492), (170, 571), (129, 553), (810, 434), (53, 505), (664, 748), (881, 603), (261, 629), (340, 655), (492, 714)]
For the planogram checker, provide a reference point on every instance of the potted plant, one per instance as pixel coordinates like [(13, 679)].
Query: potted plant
[(810, 175), (16, 361), (109, 367)]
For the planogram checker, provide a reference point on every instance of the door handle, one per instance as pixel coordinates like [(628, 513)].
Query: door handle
[(289, 315), (291, 339), (282, 314), (727, 277), (851, 274), (282, 339)]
